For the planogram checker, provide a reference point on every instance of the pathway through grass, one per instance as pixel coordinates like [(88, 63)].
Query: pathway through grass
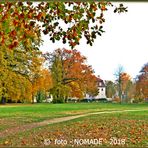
[(23, 128)]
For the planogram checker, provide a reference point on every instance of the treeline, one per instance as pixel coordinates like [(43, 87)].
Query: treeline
[(24, 78), (22, 75), (125, 89)]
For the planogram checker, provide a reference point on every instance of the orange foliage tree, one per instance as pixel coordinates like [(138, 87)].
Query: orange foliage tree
[(142, 83), (69, 70), (42, 84), (127, 86), (21, 24), (23, 18), (124, 84)]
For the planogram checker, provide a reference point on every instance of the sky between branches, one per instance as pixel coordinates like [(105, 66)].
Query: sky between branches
[(125, 42)]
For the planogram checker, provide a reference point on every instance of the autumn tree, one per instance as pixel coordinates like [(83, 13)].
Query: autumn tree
[(21, 24), (76, 69), (60, 89), (71, 76), (20, 61), (76, 16), (14, 73), (131, 94), (110, 89), (14, 87), (88, 87), (142, 83), (42, 85), (126, 86), (19, 52)]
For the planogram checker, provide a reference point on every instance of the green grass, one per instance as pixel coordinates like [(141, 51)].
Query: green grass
[(39, 112), (129, 126), (12, 115)]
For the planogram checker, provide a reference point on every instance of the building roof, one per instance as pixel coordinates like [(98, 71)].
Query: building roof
[(101, 82)]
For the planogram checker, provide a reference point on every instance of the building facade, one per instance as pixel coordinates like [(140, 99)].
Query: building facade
[(101, 89)]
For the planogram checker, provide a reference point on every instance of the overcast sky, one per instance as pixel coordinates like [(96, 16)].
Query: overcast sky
[(125, 42)]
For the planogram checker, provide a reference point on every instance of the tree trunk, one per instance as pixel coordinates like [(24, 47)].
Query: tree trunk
[(32, 99), (3, 100)]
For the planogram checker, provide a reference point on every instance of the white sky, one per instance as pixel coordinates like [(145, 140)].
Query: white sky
[(125, 42)]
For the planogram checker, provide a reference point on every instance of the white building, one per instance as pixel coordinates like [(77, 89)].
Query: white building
[(101, 89)]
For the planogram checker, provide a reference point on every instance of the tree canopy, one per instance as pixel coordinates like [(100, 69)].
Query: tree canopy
[(21, 26), (22, 22), (71, 75), (142, 82)]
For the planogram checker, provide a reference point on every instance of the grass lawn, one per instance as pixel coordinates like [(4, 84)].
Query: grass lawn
[(38, 112), (128, 127)]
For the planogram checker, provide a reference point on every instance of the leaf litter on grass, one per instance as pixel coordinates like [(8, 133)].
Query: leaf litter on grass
[(134, 131)]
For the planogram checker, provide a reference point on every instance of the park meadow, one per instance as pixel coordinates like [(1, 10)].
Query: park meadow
[(74, 125)]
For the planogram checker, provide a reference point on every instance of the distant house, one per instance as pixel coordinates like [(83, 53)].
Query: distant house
[(101, 89)]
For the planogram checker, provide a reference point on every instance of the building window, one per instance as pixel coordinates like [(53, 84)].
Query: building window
[(100, 84), (102, 89)]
